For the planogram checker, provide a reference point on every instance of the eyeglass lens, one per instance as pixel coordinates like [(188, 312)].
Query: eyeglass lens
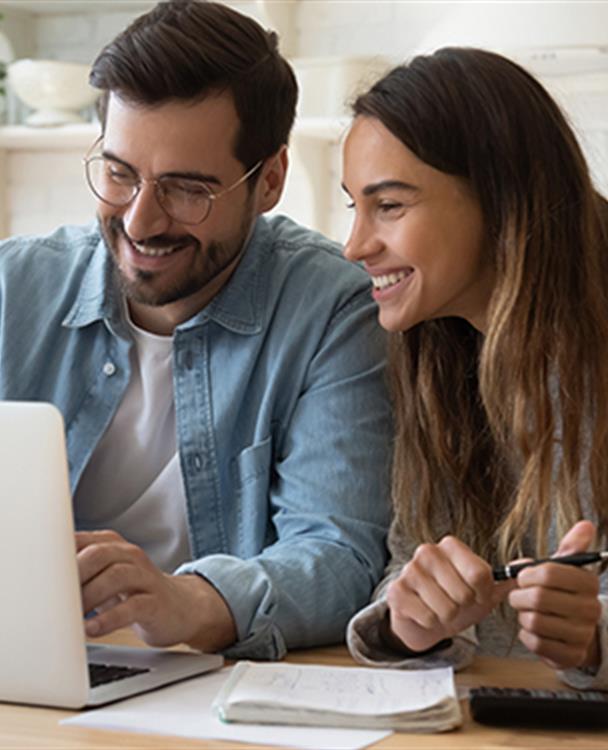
[(186, 201)]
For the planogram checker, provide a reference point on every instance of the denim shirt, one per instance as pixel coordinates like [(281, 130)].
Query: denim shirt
[(282, 418)]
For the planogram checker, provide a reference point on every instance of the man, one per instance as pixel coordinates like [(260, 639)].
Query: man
[(220, 374)]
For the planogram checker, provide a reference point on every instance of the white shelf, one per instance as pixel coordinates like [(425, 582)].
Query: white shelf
[(66, 137), (22, 137)]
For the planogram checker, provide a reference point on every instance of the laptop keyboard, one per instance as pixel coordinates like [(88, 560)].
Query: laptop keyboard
[(101, 674)]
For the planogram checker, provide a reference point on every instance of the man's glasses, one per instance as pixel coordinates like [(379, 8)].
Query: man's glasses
[(184, 199)]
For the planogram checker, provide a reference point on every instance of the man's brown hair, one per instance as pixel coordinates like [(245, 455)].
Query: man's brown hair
[(186, 49)]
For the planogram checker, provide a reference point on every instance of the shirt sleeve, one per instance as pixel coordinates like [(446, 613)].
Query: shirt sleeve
[(328, 503)]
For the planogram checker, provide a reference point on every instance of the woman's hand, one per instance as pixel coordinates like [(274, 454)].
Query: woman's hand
[(558, 607), (444, 589)]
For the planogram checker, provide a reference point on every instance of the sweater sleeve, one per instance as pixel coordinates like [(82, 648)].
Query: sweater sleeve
[(368, 646), (365, 633)]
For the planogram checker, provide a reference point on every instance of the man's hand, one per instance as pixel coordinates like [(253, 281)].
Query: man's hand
[(558, 607), (124, 588), (440, 592)]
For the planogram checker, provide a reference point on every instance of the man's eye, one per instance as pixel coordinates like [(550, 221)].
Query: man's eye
[(120, 175), (185, 190)]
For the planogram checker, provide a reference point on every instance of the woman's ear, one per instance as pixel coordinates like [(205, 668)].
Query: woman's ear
[(272, 180)]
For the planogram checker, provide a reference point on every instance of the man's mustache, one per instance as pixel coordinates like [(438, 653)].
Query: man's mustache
[(159, 241)]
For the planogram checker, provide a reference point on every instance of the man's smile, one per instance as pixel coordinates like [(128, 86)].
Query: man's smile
[(152, 251)]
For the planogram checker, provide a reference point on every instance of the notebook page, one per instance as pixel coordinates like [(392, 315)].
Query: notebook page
[(344, 689)]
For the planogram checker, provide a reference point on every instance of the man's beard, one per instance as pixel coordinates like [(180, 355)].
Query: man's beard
[(206, 265)]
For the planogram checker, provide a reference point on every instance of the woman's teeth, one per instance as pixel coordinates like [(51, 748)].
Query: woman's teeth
[(390, 279)]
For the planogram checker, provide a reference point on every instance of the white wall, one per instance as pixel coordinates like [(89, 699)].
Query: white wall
[(326, 29), (77, 36), (45, 190), (343, 27), (555, 40)]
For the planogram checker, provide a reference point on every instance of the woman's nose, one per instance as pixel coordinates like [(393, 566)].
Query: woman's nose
[(362, 243)]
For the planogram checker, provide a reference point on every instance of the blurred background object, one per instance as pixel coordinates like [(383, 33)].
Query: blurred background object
[(55, 91), (336, 47), (6, 56)]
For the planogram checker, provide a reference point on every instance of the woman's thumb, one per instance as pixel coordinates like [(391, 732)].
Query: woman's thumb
[(578, 539)]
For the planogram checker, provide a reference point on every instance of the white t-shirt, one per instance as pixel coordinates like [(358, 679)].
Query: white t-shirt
[(133, 483)]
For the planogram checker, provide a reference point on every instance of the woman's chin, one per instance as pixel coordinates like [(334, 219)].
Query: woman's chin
[(395, 324)]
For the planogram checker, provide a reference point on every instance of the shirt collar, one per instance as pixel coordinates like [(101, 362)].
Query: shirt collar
[(98, 297), (237, 307)]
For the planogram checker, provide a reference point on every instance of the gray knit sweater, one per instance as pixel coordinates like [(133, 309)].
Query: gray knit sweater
[(495, 636)]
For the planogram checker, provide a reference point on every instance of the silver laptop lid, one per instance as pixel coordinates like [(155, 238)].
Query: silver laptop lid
[(42, 645)]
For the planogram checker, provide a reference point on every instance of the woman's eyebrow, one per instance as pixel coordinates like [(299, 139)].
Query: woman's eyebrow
[(376, 187)]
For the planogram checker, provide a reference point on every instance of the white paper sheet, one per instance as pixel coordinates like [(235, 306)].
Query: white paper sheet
[(184, 710)]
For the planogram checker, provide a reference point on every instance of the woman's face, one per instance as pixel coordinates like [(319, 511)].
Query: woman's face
[(418, 231)]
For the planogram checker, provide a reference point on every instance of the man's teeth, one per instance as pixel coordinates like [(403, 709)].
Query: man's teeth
[(382, 282), (154, 251)]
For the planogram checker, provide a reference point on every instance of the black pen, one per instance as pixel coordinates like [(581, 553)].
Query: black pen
[(582, 558)]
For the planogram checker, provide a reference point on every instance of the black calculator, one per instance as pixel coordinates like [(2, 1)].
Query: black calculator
[(549, 709)]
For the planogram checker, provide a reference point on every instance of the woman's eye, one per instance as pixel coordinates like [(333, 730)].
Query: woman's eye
[(350, 204), (386, 208)]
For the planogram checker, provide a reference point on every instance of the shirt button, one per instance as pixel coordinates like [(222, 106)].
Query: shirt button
[(109, 369)]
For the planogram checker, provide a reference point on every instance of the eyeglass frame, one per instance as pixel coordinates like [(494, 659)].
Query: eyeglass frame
[(156, 181)]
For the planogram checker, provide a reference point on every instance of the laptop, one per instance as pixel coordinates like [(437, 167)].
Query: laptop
[(44, 659)]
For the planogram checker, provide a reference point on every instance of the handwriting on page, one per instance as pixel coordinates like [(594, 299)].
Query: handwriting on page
[(343, 689)]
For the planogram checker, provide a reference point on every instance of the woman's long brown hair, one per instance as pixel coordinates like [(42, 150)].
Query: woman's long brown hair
[(497, 434)]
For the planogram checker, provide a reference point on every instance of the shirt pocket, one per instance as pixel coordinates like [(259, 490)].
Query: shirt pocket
[(253, 469)]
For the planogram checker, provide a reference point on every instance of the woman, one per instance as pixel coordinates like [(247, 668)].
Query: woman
[(487, 245)]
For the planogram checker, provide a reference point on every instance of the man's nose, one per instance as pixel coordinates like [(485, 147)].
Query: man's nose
[(144, 216)]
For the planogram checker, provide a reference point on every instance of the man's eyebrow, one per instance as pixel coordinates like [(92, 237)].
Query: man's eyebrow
[(110, 155), (208, 179)]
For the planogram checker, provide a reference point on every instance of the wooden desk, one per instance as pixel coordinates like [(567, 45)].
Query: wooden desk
[(26, 728)]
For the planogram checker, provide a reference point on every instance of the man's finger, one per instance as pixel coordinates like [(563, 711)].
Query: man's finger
[(113, 582), (128, 612), (87, 538)]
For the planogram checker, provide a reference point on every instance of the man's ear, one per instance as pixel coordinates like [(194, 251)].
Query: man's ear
[(272, 180)]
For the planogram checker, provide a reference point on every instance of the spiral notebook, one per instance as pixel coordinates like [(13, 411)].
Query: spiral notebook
[(355, 697)]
